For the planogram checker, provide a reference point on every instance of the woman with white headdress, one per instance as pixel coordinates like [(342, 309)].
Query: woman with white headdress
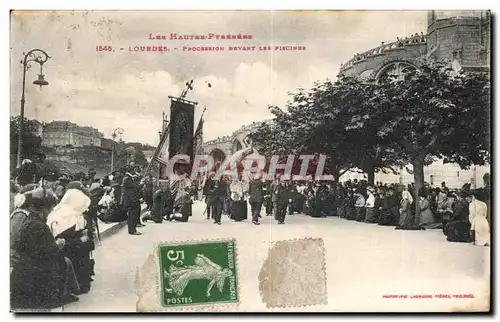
[(405, 208), (69, 225), (41, 277)]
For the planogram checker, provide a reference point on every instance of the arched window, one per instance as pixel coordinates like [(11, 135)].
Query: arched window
[(394, 71)]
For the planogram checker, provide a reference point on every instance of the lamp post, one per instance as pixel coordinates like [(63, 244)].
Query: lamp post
[(38, 56), (117, 132)]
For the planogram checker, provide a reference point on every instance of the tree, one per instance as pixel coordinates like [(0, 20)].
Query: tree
[(328, 120), (140, 158), (32, 143), (434, 112)]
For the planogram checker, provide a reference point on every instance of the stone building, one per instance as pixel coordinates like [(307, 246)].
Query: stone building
[(225, 146), (461, 38), (62, 133)]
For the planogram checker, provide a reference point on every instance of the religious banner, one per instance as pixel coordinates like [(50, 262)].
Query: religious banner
[(180, 132)]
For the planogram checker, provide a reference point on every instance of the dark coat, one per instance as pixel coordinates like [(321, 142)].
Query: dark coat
[(37, 280), (219, 191), (79, 254), (255, 191), (460, 210), (282, 194), (130, 192), (159, 203)]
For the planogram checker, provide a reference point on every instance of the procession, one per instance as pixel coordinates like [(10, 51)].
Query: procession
[(55, 225)]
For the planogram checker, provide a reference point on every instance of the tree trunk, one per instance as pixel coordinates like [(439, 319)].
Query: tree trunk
[(418, 176), (336, 174), (370, 171)]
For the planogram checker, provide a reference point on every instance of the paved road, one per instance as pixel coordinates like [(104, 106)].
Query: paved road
[(364, 262)]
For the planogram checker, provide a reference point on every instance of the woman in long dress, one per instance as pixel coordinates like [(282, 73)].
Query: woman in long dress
[(478, 212), (405, 208), (426, 216)]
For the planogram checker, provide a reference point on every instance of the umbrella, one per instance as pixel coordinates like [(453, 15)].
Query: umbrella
[(69, 212)]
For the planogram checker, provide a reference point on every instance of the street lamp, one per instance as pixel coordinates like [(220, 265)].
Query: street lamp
[(38, 56), (117, 132)]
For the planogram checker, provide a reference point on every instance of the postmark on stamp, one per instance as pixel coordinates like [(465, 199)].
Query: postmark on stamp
[(197, 273)]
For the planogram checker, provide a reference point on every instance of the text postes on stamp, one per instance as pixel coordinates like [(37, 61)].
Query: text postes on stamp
[(198, 273), (294, 274)]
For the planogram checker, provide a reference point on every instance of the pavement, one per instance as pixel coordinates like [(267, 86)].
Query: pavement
[(364, 262)]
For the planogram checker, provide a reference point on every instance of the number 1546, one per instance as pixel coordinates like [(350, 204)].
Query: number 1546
[(103, 48)]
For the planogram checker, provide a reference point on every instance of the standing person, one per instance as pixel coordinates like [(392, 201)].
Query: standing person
[(370, 206), (226, 204), (385, 215), (208, 189), (282, 200), (268, 202), (301, 200), (359, 205), (341, 200), (148, 191), (256, 197), (484, 194), (131, 204), (239, 203), (405, 209), (480, 229), (350, 201), (217, 199)]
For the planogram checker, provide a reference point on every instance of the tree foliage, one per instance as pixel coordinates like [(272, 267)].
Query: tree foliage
[(32, 143), (431, 112)]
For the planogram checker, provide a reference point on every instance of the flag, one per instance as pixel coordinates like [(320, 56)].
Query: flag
[(198, 137)]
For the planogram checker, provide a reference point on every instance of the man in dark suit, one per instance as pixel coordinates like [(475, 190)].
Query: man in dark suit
[(208, 189), (217, 199), (256, 197), (130, 199), (282, 197)]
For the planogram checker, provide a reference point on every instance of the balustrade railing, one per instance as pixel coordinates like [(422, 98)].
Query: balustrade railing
[(380, 50)]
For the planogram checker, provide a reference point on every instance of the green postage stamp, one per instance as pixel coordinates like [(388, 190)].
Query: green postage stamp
[(198, 273)]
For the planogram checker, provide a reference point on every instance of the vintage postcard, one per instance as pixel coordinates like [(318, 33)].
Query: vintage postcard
[(250, 161)]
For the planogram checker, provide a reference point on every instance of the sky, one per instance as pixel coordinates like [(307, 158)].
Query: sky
[(130, 89)]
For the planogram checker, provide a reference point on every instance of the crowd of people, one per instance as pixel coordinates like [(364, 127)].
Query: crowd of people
[(462, 214), (459, 213), (54, 229), (51, 243), (51, 251)]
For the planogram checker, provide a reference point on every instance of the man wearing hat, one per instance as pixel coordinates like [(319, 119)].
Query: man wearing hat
[(208, 189), (130, 199), (256, 196), (282, 199)]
